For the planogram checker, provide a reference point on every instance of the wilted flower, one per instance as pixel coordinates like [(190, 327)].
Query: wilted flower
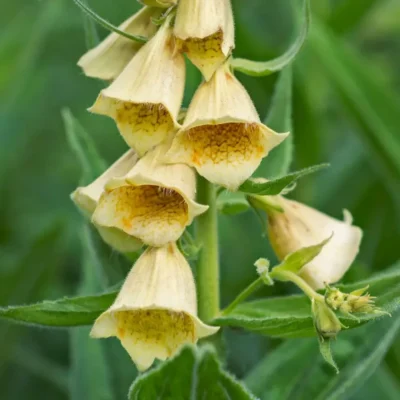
[(222, 136), (153, 202), (205, 31), (300, 226), (326, 322), (146, 97), (155, 312), (108, 59), (87, 198)]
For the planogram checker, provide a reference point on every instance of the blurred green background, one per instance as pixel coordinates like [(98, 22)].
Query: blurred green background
[(346, 111)]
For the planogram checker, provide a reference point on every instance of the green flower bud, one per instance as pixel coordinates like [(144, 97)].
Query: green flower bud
[(326, 322)]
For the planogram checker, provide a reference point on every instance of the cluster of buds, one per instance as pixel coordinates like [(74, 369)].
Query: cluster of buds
[(148, 196)]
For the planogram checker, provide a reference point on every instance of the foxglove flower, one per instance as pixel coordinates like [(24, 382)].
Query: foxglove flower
[(155, 312), (146, 97), (153, 202), (300, 226), (222, 136), (205, 32), (108, 59), (87, 198)]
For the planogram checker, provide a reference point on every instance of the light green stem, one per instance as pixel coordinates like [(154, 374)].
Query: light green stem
[(302, 284), (208, 262), (254, 286)]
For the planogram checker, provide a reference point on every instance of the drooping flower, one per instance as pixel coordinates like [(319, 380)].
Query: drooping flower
[(222, 136), (155, 312), (87, 198), (205, 32), (301, 226), (108, 59), (146, 97), (153, 202)]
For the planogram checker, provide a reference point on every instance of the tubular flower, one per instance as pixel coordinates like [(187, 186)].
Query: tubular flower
[(152, 202), (300, 226), (146, 97), (222, 136), (108, 59), (87, 198), (155, 312), (205, 31)]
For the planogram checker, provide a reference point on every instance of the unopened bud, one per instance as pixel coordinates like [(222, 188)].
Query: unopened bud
[(326, 322)]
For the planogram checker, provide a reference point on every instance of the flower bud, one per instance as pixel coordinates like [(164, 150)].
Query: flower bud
[(152, 202), (87, 198), (300, 226), (108, 59), (205, 32), (222, 136), (155, 312), (326, 322), (146, 97)]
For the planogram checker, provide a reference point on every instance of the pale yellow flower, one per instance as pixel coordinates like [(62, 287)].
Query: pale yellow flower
[(108, 59), (153, 202), (146, 97), (301, 226), (155, 312), (222, 136), (205, 31), (87, 198)]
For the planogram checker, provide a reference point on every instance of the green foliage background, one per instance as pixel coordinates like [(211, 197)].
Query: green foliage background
[(346, 111)]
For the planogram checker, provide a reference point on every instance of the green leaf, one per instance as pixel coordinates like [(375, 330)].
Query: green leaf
[(193, 374), (280, 119), (90, 13), (259, 68), (84, 148), (232, 203), (367, 98), (296, 260), (326, 352), (291, 316), (275, 186), (88, 356), (297, 370)]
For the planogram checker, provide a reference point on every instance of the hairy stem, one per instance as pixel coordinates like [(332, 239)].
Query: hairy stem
[(208, 262)]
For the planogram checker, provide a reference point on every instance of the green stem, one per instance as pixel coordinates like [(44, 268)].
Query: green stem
[(208, 262), (254, 286), (303, 285)]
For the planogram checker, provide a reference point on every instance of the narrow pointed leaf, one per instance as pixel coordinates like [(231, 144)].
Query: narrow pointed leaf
[(259, 68), (326, 352), (193, 374), (275, 186)]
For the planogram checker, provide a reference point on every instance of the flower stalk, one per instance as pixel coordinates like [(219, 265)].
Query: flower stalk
[(208, 261)]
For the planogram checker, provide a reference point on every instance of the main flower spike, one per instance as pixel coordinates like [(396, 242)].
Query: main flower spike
[(155, 312), (146, 97), (87, 198), (108, 59), (300, 226), (222, 136), (153, 202), (205, 32)]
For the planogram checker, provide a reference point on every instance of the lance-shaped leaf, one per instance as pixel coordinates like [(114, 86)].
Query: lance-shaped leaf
[(275, 186), (193, 374), (260, 68)]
